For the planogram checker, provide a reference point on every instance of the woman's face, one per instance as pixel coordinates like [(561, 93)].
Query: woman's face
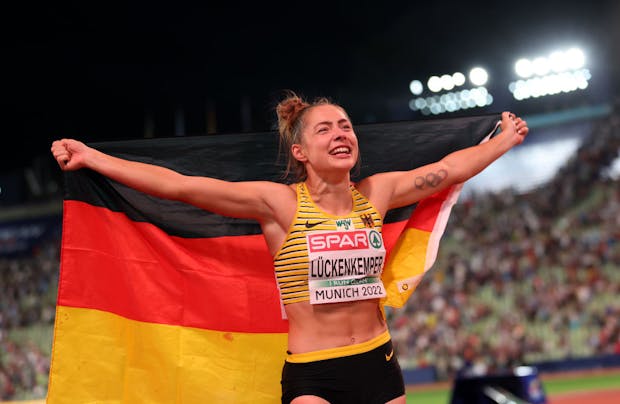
[(328, 141)]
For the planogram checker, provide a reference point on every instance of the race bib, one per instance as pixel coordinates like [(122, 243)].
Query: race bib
[(345, 265)]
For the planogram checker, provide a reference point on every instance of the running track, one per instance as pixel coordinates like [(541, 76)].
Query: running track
[(608, 396)]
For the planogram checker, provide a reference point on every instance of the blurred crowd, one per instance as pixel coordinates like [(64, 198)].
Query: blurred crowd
[(524, 278), (28, 287), (520, 279)]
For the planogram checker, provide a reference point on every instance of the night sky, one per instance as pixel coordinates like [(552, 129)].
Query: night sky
[(96, 70)]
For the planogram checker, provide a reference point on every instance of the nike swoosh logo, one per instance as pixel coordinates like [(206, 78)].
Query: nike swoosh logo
[(388, 357), (311, 225)]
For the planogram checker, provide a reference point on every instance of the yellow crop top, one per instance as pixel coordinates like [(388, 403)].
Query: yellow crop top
[(327, 258)]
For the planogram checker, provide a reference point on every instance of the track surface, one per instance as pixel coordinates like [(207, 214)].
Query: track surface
[(610, 396)]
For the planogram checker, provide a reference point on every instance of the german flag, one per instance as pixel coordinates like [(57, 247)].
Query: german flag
[(161, 302)]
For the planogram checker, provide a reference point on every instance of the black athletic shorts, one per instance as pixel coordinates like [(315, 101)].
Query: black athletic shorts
[(372, 377)]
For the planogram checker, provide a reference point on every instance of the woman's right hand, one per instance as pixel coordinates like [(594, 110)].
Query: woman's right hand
[(70, 154)]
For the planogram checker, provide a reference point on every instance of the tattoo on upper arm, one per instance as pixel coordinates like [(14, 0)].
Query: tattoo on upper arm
[(430, 179)]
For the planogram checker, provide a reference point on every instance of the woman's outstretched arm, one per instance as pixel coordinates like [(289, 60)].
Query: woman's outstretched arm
[(255, 200), (396, 189)]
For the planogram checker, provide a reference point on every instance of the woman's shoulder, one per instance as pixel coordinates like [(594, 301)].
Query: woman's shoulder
[(366, 184), (375, 190)]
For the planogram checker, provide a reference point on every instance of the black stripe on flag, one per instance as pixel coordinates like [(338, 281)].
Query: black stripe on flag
[(254, 156)]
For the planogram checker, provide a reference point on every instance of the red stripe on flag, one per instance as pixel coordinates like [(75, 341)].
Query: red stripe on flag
[(427, 210), (135, 270)]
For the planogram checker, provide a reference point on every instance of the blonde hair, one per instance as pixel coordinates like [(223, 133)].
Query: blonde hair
[(291, 111)]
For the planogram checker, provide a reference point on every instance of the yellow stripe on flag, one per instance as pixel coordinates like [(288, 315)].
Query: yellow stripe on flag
[(405, 267), (105, 358)]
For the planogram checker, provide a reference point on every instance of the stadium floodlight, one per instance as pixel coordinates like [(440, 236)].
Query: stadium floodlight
[(416, 87), (438, 83), (446, 82), (458, 78), (452, 101), (524, 68), (434, 84), (478, 76), (541, 66), (576, 58), (559, 72), (444, 94), (559, 61)]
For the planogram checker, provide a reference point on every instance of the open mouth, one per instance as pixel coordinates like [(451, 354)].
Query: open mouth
[(341, 150)]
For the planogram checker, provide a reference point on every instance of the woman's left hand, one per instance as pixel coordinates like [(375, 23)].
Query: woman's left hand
[(514, 127)]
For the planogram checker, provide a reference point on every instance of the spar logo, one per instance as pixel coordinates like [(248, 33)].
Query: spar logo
[(339, 241), (376, 241)]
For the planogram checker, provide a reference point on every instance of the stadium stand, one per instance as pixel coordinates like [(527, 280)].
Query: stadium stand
[(524, 278)]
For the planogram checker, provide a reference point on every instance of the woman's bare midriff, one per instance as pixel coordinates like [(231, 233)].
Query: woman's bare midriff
[(323, 326)]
